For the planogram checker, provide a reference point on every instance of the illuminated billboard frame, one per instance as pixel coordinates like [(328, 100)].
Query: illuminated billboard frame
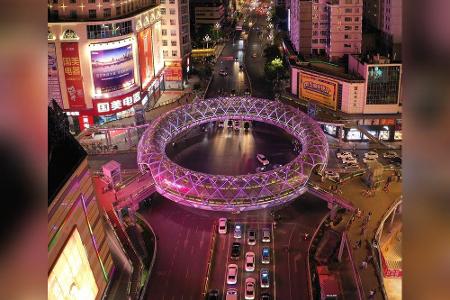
[(71, 277), (318, 89)]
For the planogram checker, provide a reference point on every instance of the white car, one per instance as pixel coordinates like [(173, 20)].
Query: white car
[(223, 73), (349, 159), (232, 273), (343, 154), (221, 124), (250, 288), (262, 159), (367, 160), (371, 154), (237, 125), (250, 261), (237, 231), (351, 166), (331, 175), (222, 226), (232, 294), (265, 235), (390, 154)]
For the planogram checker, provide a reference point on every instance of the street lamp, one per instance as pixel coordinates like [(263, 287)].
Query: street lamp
[(207, 39)]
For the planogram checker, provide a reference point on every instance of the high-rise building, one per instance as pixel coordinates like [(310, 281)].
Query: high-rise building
[(79, 255), (106, 56), (207, 12), (331, 27)]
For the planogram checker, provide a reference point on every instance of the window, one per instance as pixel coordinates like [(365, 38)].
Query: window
[(171, 1), (383, 84), (324, 32), (347, 46), (347, 27), (92, 14), (172, 11), (356, 19), (163, 11), (346, 36), (184, 19), (164, 32), (165, 53), (356, 27), (173, 22), (185, 39), (348, 10), (91, 1), (347, 19), (108, 30), (107, 12), (164, 42), (73, 14), (106, 0), (314, 41), (348, 1), (162, 1), (173, 43), (173, 32), (174, 53), (55, 1), (314, 33), (73, 1), (323, 41), (163, 22), (118, 10)]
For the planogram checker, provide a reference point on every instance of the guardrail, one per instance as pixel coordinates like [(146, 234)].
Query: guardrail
[(356, 275), (210, 259)]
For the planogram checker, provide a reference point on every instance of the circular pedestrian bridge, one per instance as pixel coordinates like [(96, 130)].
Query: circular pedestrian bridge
[(225, 192)]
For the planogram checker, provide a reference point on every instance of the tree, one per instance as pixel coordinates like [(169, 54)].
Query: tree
[(273, 69), (271, 52)]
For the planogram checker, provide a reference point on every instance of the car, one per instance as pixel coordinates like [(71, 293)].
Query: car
[(343, 154), (351, 166), (213, 295), (265, 235), (236, 58), (367, 160), (390, 154), (262, 159), (349, 159), (396, 161), (221, 124), (254, 55), (233, 93), (232, 294), (251, 237), (247, 92), (237, 231), (250, 288), (237, 125), (235, 250), (246, 125), (265, 296), (264, 278), (222, 226), (331, 175), (223, 73), (241, 68), (265, 255), (250, 261), (232, 273), (371, 154), (230, 123)]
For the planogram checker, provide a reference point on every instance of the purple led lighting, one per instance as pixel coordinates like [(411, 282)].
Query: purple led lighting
[(223, 192)]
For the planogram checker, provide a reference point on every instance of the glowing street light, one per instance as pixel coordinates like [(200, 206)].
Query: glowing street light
[(207, 39)]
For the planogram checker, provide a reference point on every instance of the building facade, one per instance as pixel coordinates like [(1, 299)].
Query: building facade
[(331, 27), (208, 12), (101, 64)]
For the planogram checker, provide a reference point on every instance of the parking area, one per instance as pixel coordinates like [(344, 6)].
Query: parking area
[(223, 258)]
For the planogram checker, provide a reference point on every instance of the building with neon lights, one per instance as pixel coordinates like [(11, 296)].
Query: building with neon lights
[(80, 264), (106, 56)]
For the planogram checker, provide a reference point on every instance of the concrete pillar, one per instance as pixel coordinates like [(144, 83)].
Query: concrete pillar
[(341, 246)]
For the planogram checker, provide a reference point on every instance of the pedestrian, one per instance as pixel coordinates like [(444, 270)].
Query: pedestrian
[(363, 264)]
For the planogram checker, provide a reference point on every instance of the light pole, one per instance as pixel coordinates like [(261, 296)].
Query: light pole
[(207, 39), (217, 28)]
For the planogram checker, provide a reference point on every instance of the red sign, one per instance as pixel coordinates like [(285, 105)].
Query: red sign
[(72, 74), (116, 104), (173, 71), (145, 57)]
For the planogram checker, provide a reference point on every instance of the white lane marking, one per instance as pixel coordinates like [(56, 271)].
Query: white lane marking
[(227, 241), (289, 264)]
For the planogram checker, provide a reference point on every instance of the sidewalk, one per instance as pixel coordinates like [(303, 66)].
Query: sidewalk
[(377, 206)]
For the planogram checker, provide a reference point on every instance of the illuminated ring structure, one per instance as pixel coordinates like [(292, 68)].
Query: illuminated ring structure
[(223, 192)]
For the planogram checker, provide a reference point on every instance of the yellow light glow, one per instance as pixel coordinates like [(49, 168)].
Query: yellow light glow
[(72, 277)]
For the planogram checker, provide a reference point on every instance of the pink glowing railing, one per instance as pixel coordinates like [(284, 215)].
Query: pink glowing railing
[(222, 192)]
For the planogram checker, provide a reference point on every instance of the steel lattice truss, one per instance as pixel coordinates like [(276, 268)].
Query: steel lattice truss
[(223, 192)]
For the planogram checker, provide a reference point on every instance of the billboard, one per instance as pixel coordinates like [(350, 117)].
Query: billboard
[(146, 69), (318, 89), (112, 69), (72, 75), (157, 48), (54, 90), (173, 71)]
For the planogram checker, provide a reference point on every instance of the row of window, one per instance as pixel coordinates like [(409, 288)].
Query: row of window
[(109, 30), (171, 21), (172, 42), (166, 53), (165, 1), (172, 11), (173, 32)]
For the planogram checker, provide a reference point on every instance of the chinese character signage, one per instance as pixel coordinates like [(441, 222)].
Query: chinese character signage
[(117, 104), (173, 71), (145, 57), (54, 91), (112, 69), (72, 74), (318, 89)]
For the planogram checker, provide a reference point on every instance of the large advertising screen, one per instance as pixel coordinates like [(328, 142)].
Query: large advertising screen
[(54, 90), (112, 69), (72, 74), (145, 57), (157, 48), (318, 89)]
